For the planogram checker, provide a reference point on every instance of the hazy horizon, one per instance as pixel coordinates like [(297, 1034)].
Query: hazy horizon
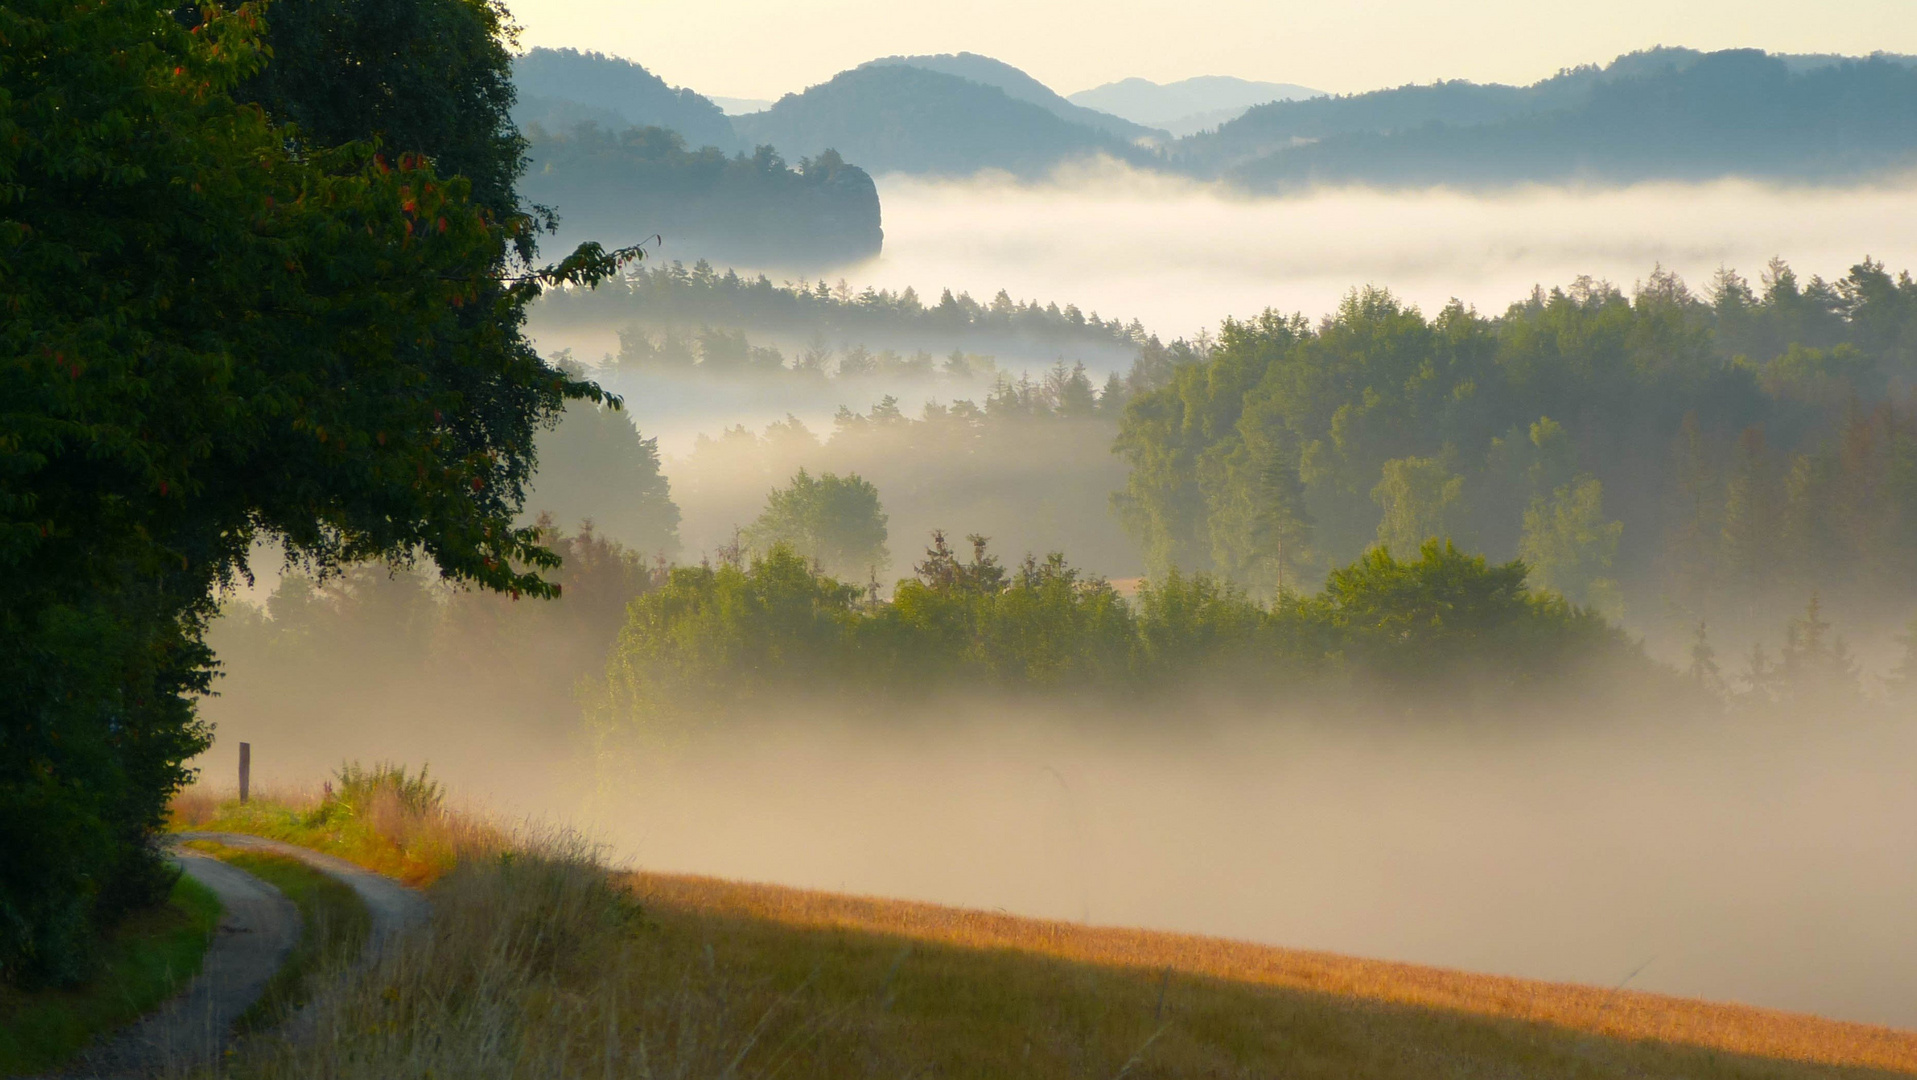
[(756, 49)]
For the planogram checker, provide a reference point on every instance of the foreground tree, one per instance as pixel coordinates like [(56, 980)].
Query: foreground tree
[(212, 333)]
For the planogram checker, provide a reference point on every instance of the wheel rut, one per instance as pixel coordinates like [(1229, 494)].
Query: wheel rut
[(258, 927)]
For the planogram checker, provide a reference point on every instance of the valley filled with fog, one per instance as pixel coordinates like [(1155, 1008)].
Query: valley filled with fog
[(1665, 848), (1182, 255), (1456, 524)]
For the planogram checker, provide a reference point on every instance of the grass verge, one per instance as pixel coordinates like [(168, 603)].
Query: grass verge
[(382, 818), (146, 959), (334, 927)]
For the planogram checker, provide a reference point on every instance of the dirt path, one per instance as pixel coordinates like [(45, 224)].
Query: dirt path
[(257, 928), (394, 907)]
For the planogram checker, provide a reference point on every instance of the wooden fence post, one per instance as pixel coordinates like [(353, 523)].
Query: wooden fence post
[(246, 770)]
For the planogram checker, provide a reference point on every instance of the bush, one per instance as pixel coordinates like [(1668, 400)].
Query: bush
[(716, 639)]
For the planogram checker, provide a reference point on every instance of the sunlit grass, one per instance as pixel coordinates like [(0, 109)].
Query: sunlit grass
[(146, 960), (540, 961), (386, 824), (1271, 1004)]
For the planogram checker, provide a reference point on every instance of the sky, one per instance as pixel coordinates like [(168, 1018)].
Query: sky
[(765, 48)]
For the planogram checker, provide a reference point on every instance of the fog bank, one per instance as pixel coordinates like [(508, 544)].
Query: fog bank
[(1772, 865), (1182, 255)]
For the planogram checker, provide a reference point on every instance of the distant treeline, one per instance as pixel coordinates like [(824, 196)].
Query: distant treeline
[(1685, 456), (675, 296), (622, 187), (1668, 117), (1665, 113), (735, 638), (712, 352), (1029, 463)]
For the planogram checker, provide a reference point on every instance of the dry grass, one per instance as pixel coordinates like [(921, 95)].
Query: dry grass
[(539, 963), (532, 966), (1614, 1014)]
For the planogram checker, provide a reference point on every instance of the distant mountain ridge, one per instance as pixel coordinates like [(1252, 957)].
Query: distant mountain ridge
[(1189, 105), (561, 87), (892, 117), (1663, 114), (1022, 87)]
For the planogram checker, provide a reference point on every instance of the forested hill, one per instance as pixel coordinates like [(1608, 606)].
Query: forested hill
[(1661, 114), (1676, 456), (562, 87), (621, 156), (1022, 87), (622, 187), (894, 117), (1189, 105)]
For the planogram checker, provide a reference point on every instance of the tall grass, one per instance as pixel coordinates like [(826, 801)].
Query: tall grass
[(382, 817), (534, 965)]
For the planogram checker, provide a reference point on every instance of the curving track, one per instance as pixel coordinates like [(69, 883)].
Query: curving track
[(258, 927)]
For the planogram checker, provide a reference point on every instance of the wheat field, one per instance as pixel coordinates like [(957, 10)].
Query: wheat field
[(1199, 966)]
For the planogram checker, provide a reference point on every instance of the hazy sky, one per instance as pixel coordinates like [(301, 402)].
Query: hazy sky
[(763, 48)]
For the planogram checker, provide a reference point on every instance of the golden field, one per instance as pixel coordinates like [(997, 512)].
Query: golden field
[(539, 961), (1228, 1004)]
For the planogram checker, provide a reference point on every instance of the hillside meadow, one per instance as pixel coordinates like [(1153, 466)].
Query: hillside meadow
[(541, 960)]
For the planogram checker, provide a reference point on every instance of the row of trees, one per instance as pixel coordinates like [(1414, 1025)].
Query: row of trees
[(1031, 462), (716, 352), (222, 328), (718, 638), (679, 297), (1684, 453)]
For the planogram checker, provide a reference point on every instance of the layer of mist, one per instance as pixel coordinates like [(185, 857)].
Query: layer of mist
[(1733, 857), (1182, 255), (1771, 865), (1754, 860)]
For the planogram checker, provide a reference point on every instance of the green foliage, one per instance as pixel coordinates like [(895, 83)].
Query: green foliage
[(218, 330), (594, 466), (1420, 499), (1691, 452), (1570, 546), (672, 298), (833, 521), (358, 786), (711, 636), (737, 640), (364, 654), (143, 961), (429, 77), (1451, 614)]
